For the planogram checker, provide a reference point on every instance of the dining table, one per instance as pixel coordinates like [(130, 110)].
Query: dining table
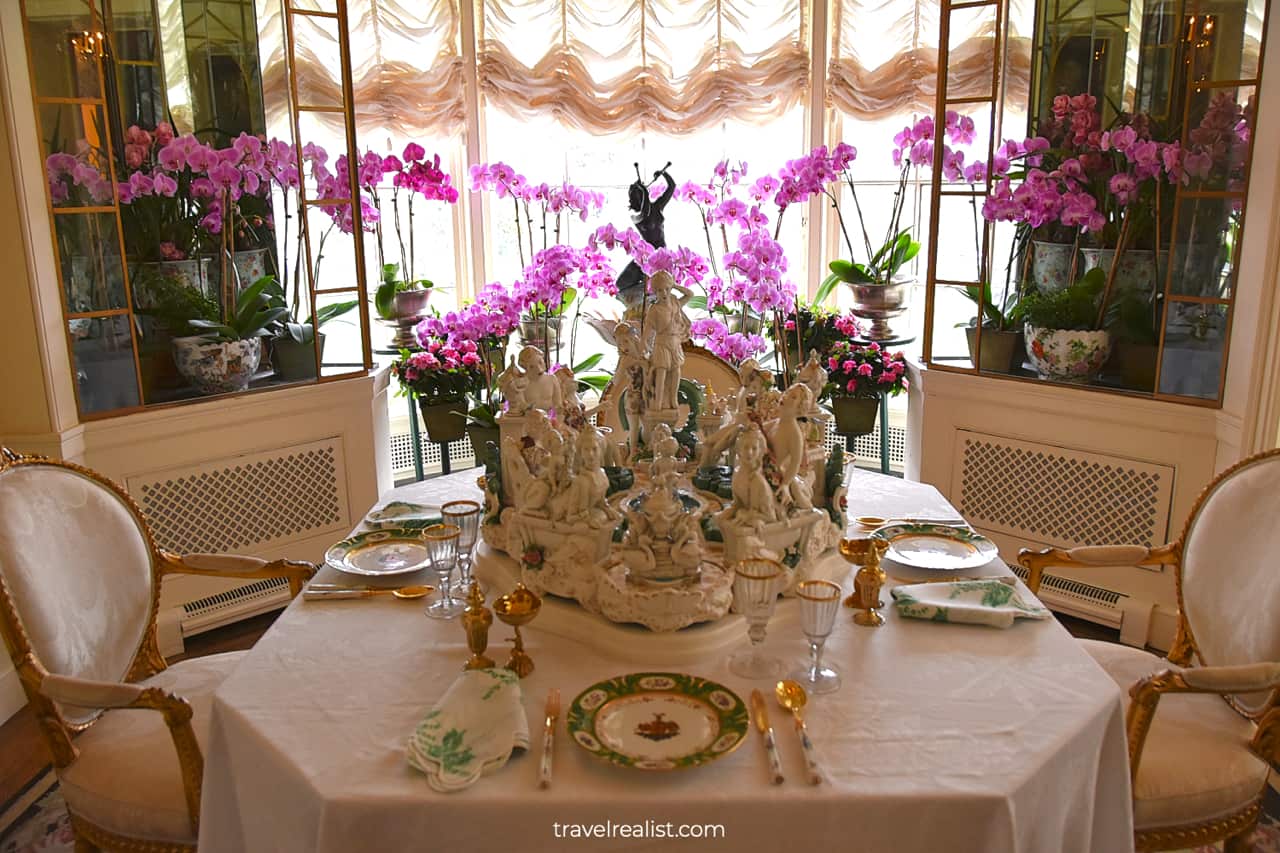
[(942, 736)]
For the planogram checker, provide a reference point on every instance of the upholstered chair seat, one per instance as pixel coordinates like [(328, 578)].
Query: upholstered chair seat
[(127, 779), (1203, 723), (79, 591), (1197, 766)]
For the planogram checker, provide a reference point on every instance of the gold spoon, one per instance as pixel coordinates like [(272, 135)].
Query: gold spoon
[(404, 593), (791, 697)]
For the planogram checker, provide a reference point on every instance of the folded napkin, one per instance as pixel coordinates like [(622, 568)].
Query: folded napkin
[(471, 730), (981, 602)]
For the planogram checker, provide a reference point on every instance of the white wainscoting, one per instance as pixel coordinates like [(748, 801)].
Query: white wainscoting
[(1034, 465), (276, 475)]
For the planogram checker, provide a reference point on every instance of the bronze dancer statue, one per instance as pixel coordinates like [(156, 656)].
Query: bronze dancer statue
[(646, 214)]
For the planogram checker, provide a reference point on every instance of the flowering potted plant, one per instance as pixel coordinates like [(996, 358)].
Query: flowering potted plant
[(402, 293), (1065, 340), (810, 326), (544, 290), (441, 377), (226, 356), (858, 374)]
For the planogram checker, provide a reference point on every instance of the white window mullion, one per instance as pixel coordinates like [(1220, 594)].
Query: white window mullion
[(469, 225)]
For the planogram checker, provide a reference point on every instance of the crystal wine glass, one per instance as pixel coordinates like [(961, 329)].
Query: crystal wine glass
[(755, 593), (465, 515), (442, 546), (819, 603)]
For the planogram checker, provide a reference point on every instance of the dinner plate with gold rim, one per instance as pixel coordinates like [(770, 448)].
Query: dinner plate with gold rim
[(658, 720), (936, 546), (379, 553)]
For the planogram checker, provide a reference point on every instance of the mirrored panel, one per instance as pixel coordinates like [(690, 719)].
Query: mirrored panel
[(102, 357)]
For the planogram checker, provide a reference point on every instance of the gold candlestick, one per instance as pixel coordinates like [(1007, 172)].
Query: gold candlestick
[(517, 608), (476, 619), (867, 585)]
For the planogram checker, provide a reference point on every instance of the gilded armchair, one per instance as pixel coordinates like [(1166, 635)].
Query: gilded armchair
[(79, 591), (1204, 724)]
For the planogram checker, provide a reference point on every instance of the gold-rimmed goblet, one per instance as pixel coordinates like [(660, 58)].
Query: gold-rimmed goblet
[(756, 583), (517, 608), (819, 603), (466, 515), (442, 547)]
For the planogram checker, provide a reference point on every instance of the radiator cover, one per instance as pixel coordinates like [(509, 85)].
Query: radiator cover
[(1060, 496)]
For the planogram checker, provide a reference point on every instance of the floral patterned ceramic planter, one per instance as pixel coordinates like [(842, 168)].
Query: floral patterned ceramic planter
[(214, 367), (250, 265), (1065, 355), (1050, 265), (1136, 269)]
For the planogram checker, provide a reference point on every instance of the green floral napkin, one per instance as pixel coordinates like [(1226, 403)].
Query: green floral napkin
[(471, 730), (982, 602)]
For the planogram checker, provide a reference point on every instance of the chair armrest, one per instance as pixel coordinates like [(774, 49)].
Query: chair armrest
[(1091, 556), (1217, 680), (237, 566), (87, 693)]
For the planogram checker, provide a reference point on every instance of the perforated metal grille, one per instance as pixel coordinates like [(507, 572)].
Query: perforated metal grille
[(1061, 496), (246, 501)]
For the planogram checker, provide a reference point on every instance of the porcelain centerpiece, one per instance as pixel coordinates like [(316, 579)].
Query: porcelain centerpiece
[(621, 528)]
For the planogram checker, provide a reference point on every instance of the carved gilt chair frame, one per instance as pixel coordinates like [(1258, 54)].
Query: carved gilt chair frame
[(1235, 828), (45, 690)]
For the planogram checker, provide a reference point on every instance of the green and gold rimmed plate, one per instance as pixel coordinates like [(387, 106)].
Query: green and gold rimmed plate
[(378, 553), (658, 720), (936, 546)]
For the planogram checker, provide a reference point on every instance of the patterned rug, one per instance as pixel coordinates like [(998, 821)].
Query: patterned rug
[(36, 821)]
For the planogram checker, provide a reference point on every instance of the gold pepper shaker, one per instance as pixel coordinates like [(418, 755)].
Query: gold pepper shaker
[(476, 619), (867, 585)]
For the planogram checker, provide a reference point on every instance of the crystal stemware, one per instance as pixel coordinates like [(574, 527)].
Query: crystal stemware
[(465, 515), (819, 602), (756, 584), (442, 547)]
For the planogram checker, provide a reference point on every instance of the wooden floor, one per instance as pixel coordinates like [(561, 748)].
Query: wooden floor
[(23, 754)]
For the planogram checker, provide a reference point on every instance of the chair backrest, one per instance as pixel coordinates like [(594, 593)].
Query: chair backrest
[(1229, 586), (76, 575)]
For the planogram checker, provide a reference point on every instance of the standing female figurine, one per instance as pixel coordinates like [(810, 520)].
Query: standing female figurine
[(646, 215), (665, 330)]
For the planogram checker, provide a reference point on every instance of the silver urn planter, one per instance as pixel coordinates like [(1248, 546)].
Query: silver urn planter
[(217, 367), (880, 304)]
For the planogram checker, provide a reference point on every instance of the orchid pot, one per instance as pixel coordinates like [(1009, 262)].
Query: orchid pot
[(294, 361), (411, 303), (1135, 271), (1067, 355), (444, 421), (1051, 265), (481, 437), (881, 303), (855, 415), (1001, 348), (217, 367), (250, 265), (542, 331)]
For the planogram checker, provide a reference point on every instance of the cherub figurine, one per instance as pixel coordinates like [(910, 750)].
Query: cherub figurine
[(569, 411), (510, 384), (814, 377), (583, 499), (665, 448), (753, 499), (665, 330), (539, 390), (787, 441)]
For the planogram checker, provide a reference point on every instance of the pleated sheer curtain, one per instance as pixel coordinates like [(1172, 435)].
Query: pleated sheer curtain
[(673, 66), (406, 62), (884, 55)]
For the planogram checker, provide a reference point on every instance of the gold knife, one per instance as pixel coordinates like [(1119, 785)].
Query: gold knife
[(761, 715)]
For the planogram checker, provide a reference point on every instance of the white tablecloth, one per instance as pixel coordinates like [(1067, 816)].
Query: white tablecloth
[(943, 737)]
